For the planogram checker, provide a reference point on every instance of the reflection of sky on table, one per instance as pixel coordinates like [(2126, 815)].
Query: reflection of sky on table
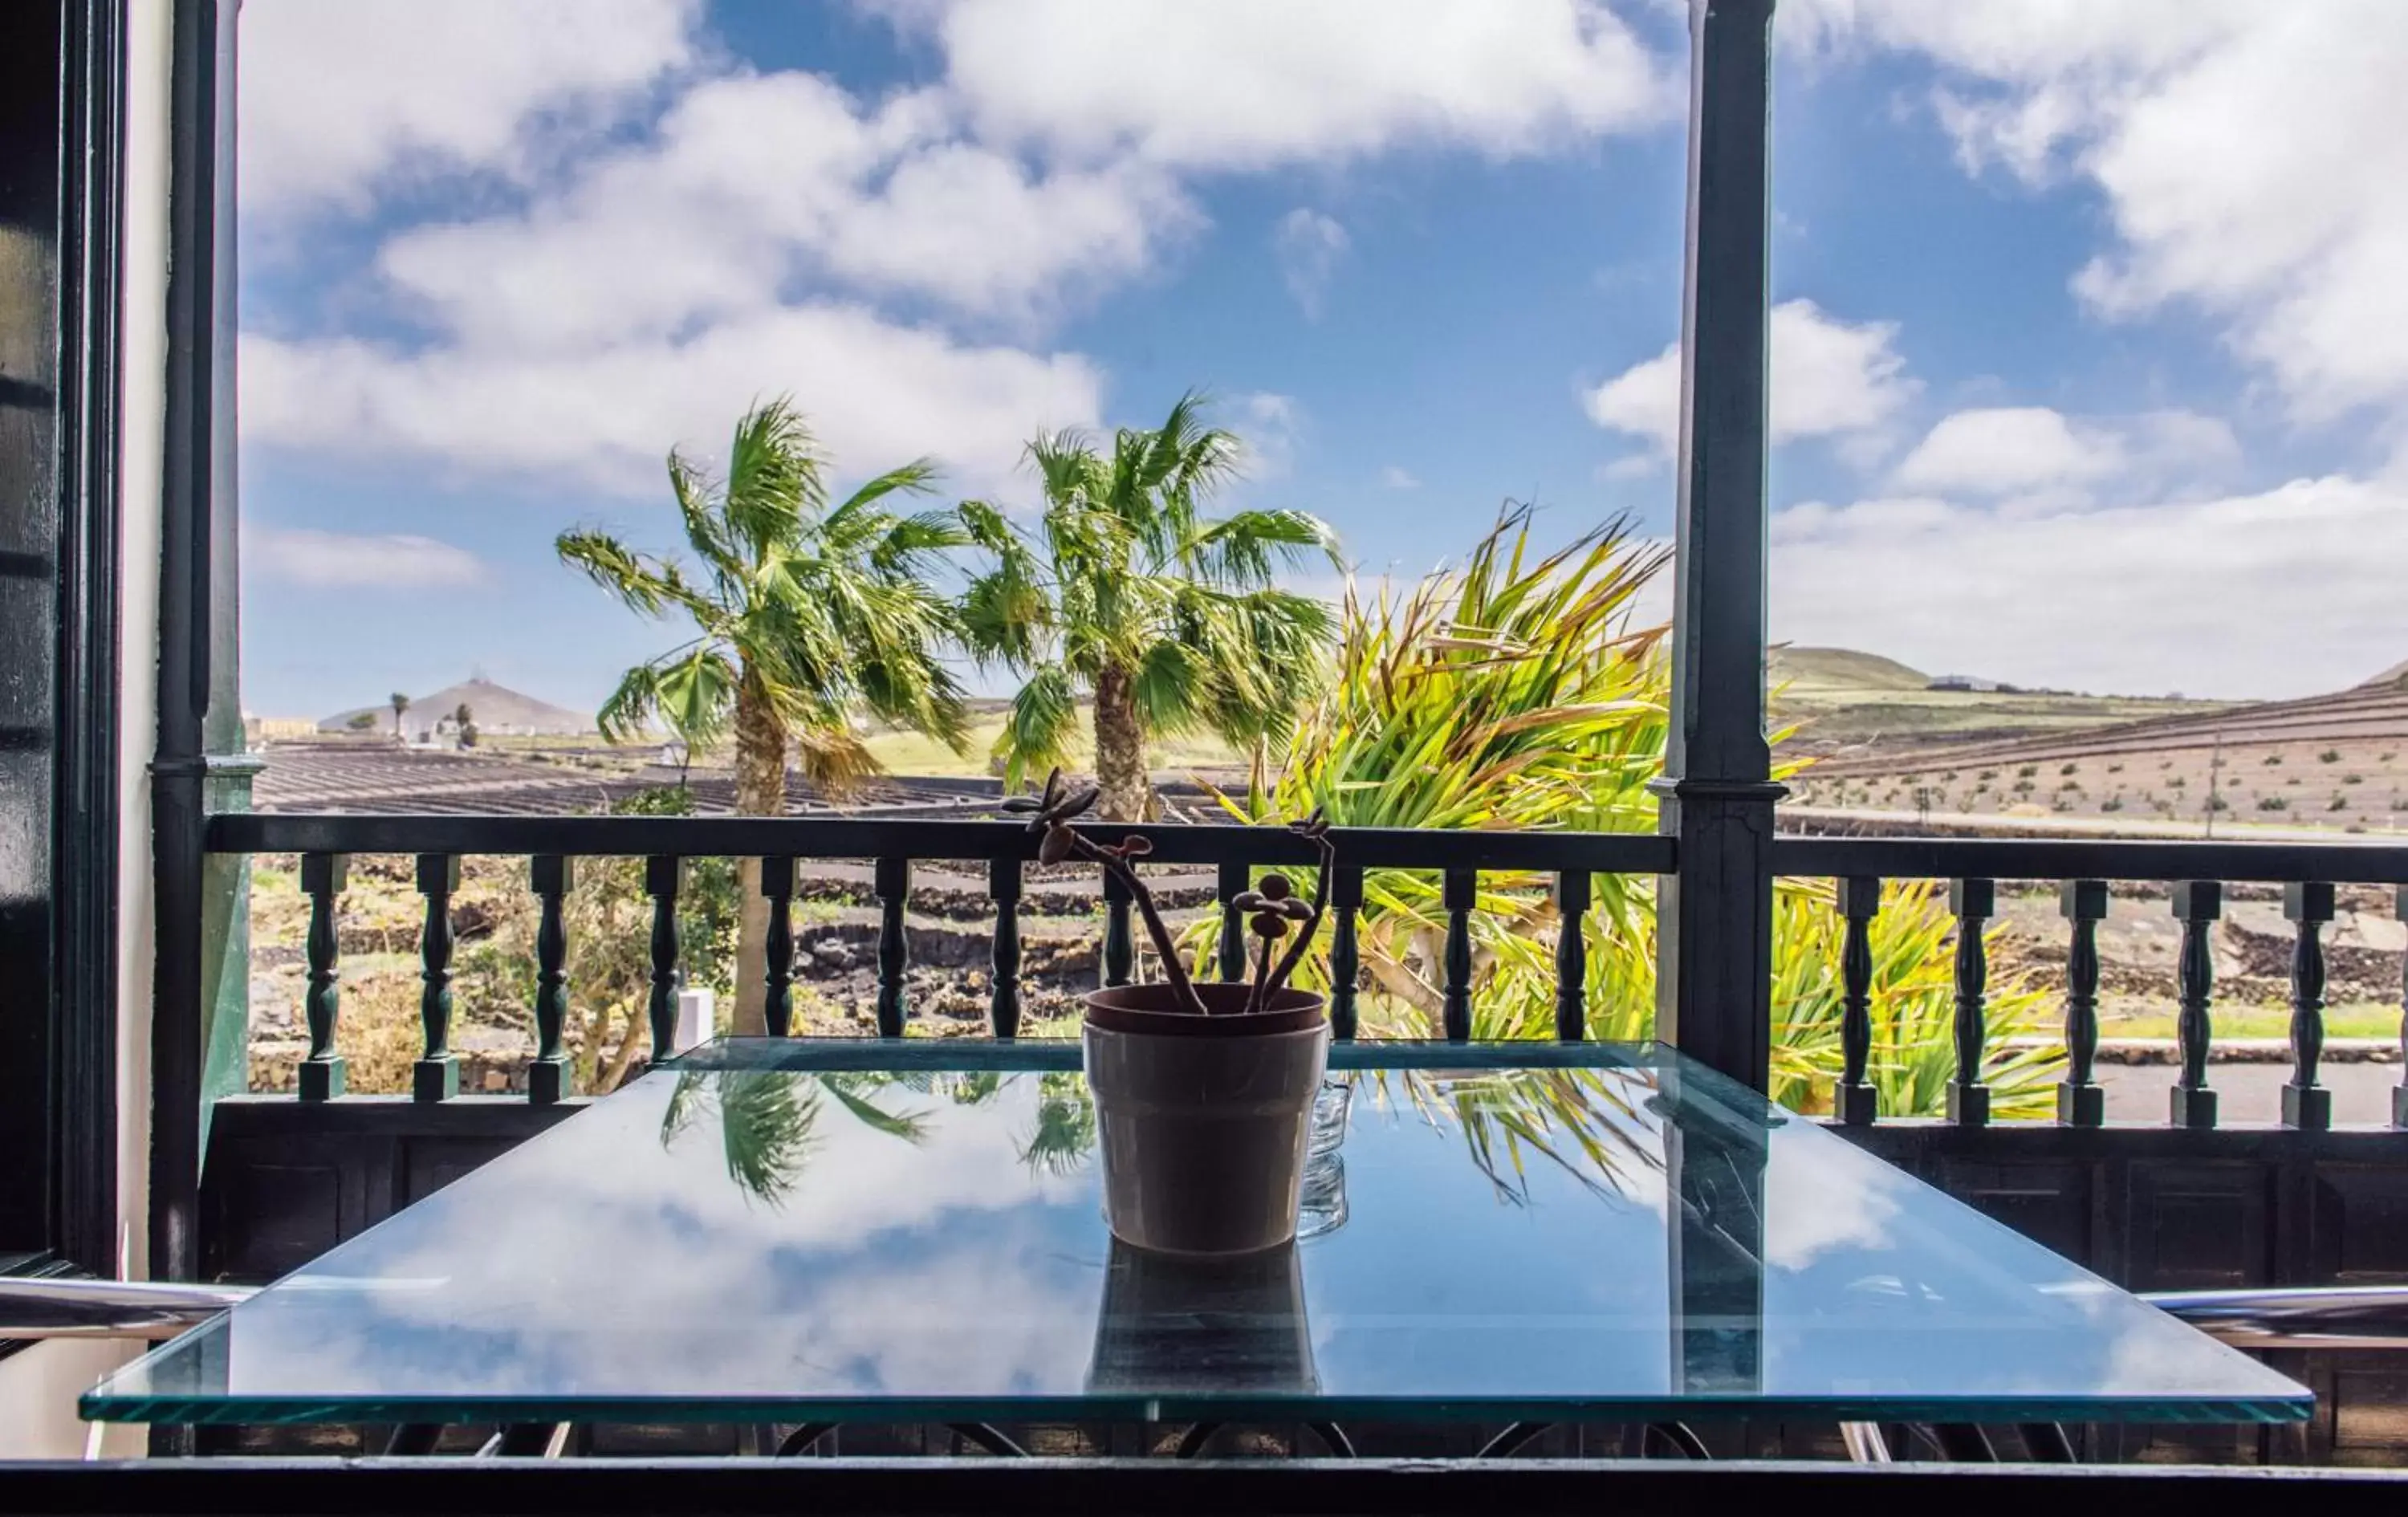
[(1506, 1253)]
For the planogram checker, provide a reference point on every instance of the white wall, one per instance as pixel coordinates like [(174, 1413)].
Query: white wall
[(38, 1387)]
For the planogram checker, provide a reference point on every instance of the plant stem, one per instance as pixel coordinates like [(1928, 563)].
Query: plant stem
[(1164, 948), (1311, 924), (1259, 994)]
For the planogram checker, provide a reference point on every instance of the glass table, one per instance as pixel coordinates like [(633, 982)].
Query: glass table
[(865, 1231)]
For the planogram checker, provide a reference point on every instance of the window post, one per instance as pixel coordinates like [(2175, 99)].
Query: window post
[(1714, 917)]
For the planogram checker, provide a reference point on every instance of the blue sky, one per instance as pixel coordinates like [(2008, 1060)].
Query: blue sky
[(2077, 381)]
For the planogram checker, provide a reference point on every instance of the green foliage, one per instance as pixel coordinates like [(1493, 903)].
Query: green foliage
[(2331, 755), (803, 610), (1125, 575), (361, 721), (1514, 694), (2272, 803)]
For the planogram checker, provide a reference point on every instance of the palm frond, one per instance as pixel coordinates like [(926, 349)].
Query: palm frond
[(773, 477), (1038, 730)]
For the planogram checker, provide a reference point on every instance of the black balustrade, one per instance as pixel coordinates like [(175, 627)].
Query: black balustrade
[(662, 875), (435, 1075), (553, 875), (322, 878), (1856, 1102), (2080, 1101), (1565, 865), (2307, 906), (1972, 902), (2197, 905)]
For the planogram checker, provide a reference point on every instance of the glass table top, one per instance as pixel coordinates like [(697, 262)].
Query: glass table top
[(904, 1231)]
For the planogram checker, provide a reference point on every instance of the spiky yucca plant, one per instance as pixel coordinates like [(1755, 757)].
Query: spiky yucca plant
[(1518, 692)]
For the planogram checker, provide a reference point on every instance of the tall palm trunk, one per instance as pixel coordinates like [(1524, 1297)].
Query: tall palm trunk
[(1120, 749), (760, 790)]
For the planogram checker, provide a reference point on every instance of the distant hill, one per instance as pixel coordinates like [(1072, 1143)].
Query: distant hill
[(1808, 670), (2396, 675), (496, 711)]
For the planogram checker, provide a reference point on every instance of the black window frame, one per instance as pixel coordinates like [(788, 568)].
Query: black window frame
[(62, 192)]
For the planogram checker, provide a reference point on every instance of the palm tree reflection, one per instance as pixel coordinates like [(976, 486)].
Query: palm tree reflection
[(1590, 1124), (1066, 1126), (768, 1120)]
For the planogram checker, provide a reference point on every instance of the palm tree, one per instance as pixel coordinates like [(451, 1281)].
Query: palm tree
[(1168, 620), (400, 704), (804, 613)]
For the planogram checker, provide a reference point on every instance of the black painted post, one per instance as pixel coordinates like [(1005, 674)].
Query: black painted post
[(2399, 1092), (1714, 917), (894, 948), (435, 1075), (1345, 956), (1119, 958), (551, 875), (2197, 904), (1003, 998), (1232, 880), (2306, 1104), (1571, 955), (1854, 1100), (1459, 889), (777, 947), (1973, 902), (322, 878), (2080, 1101), (662, 875)]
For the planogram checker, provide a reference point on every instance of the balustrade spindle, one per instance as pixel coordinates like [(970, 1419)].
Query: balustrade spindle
[(894, 948), (662, 875), (1854, 1100), (1233, 881), (2306, 1104), (1460, 888), (1974, 902), (1571, 955), (1345, 958), (2080, 1101), (435, 1075), (777, 947), (551, 875), (322, 878), (1003, 998), (1119, 958), (2399, 1092), (2197, 905)]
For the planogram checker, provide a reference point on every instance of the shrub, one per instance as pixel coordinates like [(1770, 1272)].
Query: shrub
[(2114, 769), (2339, 803), (2027, 771), (2353, 779), (2067, 768), (2217, 803), (2386, 758), (1987, 774), (2271, 803), (2331, 755), (2071, 784), (2271, 759), (2024, 787), (2178, 782), (2113, 803)]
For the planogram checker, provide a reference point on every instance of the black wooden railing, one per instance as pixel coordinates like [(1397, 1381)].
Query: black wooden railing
[(1859, 866), (552, 844), (2198, 873)]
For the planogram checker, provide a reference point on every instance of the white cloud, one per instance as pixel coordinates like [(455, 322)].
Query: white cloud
[(1831, 378), (1308, 245), (337, 99), (336, 561), (1269, 424), (1632, 466), (1396, 476), (877, 393), (1247, 83), (2002, 449), (2253, 160), (2283, 593)]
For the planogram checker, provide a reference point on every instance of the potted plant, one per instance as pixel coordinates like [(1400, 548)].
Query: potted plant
[(1203, 1091)]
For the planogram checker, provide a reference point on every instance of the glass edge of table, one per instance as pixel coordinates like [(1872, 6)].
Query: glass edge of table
[(808, 1055), (182, 1410)]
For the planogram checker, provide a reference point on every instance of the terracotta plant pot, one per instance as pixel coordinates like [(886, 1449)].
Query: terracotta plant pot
[(1204, 1121)]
